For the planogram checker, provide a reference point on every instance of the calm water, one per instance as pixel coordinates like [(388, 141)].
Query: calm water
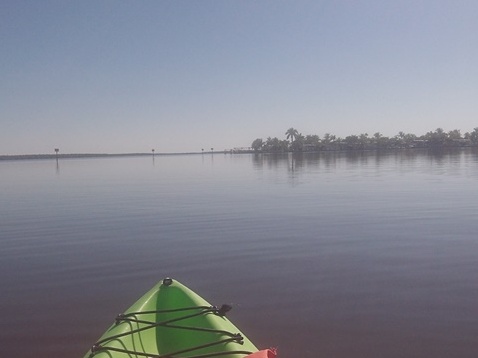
[(330, 255)]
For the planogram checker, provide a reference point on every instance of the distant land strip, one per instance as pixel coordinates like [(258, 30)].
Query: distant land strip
[(85, 155), (297, 142)]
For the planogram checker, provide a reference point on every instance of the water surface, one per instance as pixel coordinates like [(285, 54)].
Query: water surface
[(324, 255)]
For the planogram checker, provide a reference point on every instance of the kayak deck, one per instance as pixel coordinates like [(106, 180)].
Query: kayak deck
[(172, 321)]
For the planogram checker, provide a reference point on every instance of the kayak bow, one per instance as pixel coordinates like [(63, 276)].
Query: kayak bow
[(171, 321)]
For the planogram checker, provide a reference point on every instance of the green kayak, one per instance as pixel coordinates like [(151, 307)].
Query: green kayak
[(171, 321)]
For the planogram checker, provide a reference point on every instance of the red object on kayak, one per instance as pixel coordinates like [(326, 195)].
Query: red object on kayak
[(265, 353)]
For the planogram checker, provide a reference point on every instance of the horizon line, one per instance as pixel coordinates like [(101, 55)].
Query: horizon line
[(85, 155)]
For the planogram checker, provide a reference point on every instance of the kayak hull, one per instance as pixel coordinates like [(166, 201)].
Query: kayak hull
[(170, 320)]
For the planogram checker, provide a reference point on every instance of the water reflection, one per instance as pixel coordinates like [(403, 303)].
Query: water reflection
[(406, 160)]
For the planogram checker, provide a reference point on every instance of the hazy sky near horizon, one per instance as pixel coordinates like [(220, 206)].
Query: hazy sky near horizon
[(129, 76)]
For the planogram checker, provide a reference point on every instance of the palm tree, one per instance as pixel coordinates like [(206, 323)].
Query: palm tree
[(329, 140), (436, 138), (352, 142), (380, 141), (298, 144), (474, 136), (257, 144), (312, 142), (275, 145), (364, 140), (291, 134)]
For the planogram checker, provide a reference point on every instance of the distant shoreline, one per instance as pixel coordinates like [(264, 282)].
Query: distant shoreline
[(106, 155), (86, 155)]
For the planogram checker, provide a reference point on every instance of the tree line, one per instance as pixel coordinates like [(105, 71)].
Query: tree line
[(297, 142)]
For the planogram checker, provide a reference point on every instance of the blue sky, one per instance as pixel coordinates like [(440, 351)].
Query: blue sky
[(129, 76)]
